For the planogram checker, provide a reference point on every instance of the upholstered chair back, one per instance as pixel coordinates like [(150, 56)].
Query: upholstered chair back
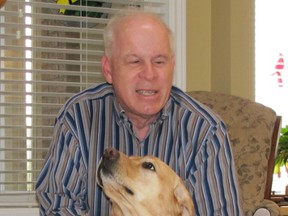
[(250, 126)]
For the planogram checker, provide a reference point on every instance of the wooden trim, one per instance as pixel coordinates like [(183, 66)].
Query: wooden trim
[(271, 160), (284, 210)]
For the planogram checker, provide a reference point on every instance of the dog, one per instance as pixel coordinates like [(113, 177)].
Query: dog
[(142, 186)]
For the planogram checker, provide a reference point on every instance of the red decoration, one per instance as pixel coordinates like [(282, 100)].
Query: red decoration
[(2, 2)]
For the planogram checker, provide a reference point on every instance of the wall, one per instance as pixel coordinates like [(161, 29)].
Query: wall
[(220, 46)]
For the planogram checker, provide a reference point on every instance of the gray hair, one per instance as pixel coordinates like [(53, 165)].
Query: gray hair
[(113, 23)]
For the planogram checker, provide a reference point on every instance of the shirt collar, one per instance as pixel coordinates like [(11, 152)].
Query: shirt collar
[(122, 117)]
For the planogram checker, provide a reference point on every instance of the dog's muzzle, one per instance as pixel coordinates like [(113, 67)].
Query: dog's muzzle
[(107, 163)]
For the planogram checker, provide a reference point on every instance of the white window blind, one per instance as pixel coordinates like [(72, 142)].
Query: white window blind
[(49, 52)]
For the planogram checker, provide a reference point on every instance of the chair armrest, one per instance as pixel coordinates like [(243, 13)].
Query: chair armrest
[(262, 212), (268, 208)]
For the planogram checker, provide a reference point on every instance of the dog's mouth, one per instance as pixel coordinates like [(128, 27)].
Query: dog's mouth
[(106, 172), (128, 190), (101, 173), (99, 178)]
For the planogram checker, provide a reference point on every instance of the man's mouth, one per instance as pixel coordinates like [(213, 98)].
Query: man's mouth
[(146, 92)]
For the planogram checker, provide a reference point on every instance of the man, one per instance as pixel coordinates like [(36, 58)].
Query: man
[(138, 112)]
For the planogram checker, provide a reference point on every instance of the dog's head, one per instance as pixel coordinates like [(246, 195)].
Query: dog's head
[(142, 186)]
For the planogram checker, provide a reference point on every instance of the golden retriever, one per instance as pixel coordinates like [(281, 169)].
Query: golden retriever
[(142, 186)]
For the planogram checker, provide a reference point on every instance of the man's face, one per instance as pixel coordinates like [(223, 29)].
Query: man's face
[(141, 67)]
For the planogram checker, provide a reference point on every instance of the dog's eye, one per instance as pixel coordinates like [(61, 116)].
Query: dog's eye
[(148, 165)]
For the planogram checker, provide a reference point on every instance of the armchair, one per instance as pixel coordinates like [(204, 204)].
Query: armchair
[(253, 131)]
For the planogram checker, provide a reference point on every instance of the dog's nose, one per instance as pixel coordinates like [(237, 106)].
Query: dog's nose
[(107, 164), (111, 154)]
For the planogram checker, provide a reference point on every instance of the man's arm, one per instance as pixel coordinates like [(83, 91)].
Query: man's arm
[(214, 178), (61, 184)]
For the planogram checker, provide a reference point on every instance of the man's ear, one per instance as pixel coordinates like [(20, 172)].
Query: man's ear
[(184, 199), (106, 68)]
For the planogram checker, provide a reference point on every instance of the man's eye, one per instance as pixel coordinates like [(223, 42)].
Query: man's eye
[(159, 62), (148, 165), (134, 62)]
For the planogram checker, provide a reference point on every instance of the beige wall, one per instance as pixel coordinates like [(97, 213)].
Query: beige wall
[(220, 46)]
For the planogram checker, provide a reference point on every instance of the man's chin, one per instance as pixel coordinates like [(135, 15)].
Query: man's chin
[(150, 113)]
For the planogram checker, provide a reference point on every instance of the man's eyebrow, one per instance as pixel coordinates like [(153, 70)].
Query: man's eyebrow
[(131, 55), (165, 56)]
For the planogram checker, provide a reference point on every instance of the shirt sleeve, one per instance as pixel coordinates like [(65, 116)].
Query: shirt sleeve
[(213, 178), (57, 192)]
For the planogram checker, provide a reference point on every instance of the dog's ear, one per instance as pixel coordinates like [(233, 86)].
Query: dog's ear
[(183, 197)]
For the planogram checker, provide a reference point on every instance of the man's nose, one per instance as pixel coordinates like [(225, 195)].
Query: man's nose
[(148, 71)]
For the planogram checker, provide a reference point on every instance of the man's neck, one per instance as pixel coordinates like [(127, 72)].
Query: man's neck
[(141, 125)]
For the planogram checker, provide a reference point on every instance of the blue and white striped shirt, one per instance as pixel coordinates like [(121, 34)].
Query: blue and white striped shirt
[(187, 136)]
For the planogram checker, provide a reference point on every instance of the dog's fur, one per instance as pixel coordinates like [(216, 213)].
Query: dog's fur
[(142, 186)]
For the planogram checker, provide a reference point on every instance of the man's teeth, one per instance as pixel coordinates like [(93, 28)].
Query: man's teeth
[(146, 92)]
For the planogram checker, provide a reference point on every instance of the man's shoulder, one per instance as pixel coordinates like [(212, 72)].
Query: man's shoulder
[(194, 106), (92, 94), (185, 101)]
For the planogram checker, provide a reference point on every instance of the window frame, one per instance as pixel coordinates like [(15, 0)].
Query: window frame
[(177, 23)]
